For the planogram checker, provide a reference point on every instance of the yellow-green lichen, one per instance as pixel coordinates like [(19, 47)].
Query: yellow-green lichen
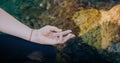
[(96, 29), (86, 19)]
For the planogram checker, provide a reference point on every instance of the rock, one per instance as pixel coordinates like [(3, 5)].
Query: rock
[(100, 29)]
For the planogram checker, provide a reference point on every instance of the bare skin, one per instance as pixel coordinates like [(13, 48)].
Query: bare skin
[(49, 35)]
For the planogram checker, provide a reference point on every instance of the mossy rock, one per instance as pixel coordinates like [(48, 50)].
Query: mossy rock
[(100, 36)]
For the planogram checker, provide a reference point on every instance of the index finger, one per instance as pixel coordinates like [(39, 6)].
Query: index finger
[(55, 29), (66, 32)]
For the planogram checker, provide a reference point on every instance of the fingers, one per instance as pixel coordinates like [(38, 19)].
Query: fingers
[(63, 33), (62, 39), (69, 36), (66, 32), (53, 28), (61, 36)]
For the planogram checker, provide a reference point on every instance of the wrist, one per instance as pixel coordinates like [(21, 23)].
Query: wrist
[(34, 35), (31, 33)]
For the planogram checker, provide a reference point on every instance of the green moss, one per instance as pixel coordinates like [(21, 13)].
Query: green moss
[(93, 37)]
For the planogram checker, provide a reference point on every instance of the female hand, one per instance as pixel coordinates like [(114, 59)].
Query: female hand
[(51, 35)]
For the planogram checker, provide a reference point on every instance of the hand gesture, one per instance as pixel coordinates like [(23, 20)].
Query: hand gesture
[(51, 35)]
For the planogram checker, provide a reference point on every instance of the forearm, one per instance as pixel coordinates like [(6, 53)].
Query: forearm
[(10, 25)]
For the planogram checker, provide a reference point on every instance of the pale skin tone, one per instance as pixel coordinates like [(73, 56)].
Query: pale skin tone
[(48, 35)]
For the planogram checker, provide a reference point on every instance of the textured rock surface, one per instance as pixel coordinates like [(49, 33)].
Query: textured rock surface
[(98, 29)]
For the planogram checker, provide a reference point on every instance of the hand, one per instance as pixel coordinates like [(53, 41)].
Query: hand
[(51, 35)]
